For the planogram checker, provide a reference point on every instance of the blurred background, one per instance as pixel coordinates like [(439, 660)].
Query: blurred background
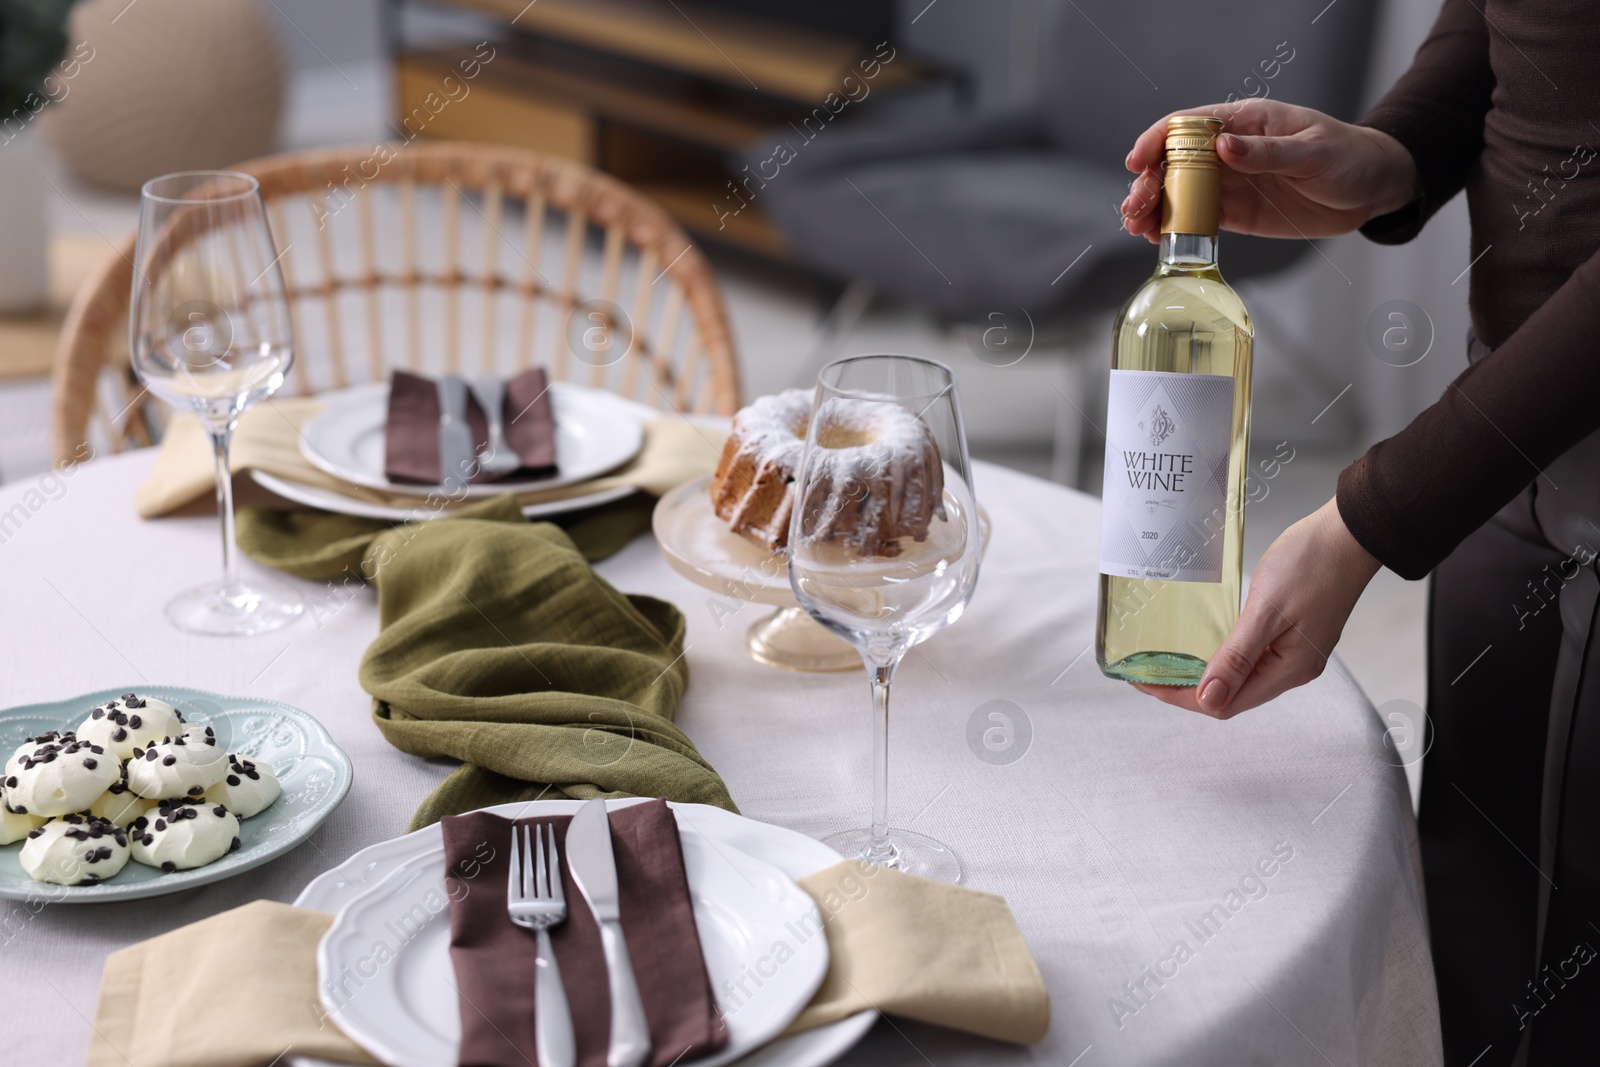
[(931, 176)]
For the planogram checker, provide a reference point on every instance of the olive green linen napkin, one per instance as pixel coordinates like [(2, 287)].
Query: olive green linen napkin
[(502, 648), (323, 546), (499, 646)]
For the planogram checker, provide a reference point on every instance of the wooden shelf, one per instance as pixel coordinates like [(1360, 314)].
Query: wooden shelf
[(614, 95), (659, 93), (798, 64)]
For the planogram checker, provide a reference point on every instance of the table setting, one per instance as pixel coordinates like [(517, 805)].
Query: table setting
[(552, 793)]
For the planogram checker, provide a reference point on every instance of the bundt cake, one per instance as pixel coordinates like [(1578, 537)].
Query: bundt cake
[(877, 475)]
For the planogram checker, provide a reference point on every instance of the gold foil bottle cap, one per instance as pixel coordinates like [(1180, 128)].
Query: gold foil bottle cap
[(1192, 192)]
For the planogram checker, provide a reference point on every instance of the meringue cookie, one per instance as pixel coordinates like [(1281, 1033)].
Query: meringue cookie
[(74, 850), (185, 765), (13, 826), (60, 777), (130, 722), (119, 805), (249, 787), (184, 833), (32, 745)]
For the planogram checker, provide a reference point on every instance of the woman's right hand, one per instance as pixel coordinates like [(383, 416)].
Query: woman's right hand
[(1289, 172)]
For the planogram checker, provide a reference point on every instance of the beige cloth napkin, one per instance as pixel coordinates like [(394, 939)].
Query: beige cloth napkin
[(236, 990), (923, 950), (239, 989), (268, 439)]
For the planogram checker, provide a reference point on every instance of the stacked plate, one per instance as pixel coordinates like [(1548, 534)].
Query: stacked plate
[(746, 905), (596, 432)]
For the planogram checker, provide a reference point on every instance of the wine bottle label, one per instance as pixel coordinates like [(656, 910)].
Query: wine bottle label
[(1166, 475)]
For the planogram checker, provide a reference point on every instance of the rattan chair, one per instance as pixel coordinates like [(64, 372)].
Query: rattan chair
[(440, 258)]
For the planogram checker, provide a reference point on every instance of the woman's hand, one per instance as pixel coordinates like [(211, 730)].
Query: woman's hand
[(1289, 172), (1300, 596)]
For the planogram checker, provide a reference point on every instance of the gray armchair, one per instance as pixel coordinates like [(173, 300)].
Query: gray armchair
[(965, 214)]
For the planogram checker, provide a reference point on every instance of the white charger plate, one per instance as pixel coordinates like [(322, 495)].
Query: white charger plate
[(314, 772), (791, 853), (313, 496), (596, 432)]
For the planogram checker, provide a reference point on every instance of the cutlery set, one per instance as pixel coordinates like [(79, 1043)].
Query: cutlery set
[(456, 452), (535, 900)]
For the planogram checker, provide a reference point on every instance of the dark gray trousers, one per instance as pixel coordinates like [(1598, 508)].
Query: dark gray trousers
[(1510, 810)]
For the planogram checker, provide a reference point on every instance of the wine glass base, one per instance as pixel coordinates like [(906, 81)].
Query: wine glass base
[(909, 853), (254, 607), (791, 639)]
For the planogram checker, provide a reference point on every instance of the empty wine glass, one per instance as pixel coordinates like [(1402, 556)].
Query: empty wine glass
[(209, 333), (884, 546)]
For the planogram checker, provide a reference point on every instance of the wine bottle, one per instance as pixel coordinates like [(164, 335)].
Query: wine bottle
[(1177, 438)]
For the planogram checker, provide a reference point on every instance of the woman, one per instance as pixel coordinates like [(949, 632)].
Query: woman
[(1495, 490)]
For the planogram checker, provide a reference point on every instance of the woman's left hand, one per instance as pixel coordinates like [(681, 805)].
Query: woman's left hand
[(1301, 594)]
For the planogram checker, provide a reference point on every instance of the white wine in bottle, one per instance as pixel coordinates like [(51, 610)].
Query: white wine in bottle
[(1177, 437)]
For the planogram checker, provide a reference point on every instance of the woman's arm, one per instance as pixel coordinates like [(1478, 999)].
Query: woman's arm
[(1436, 111), (1412, 498)]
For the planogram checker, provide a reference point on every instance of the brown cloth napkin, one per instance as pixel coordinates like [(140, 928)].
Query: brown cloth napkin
[(494, 959), (945, 955), (411, 431)]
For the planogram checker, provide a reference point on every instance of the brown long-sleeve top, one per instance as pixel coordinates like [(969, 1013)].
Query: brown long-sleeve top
[(1503, 99)]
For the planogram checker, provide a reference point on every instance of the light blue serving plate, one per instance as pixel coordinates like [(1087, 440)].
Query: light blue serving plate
[(315, 774)]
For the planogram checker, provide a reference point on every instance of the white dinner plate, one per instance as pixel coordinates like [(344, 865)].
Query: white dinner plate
[(314, 772), (313, 496), (596, 432), (728, 835)]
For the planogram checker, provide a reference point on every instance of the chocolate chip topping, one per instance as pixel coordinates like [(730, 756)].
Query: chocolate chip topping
[(195, 790), (169, 866), (89, 762), (132, 701), (119, 734), (98, 713), (234, 846), (167, 761)]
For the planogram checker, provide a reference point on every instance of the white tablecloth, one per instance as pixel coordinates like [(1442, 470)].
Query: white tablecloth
[(1130, 839)]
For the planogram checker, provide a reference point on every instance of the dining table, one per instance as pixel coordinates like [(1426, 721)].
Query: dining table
[(1195, 891)]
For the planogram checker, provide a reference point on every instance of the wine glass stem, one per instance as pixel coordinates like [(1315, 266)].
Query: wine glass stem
[(879, 850), (220, 442)]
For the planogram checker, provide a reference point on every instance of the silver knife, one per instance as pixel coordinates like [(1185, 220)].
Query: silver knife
[(593, 867), (456, 464)]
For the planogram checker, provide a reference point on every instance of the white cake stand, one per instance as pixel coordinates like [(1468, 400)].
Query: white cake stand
[(739, 573)]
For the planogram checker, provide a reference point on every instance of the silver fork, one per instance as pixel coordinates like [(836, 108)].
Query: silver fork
[(534, 899), (497, 457)]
